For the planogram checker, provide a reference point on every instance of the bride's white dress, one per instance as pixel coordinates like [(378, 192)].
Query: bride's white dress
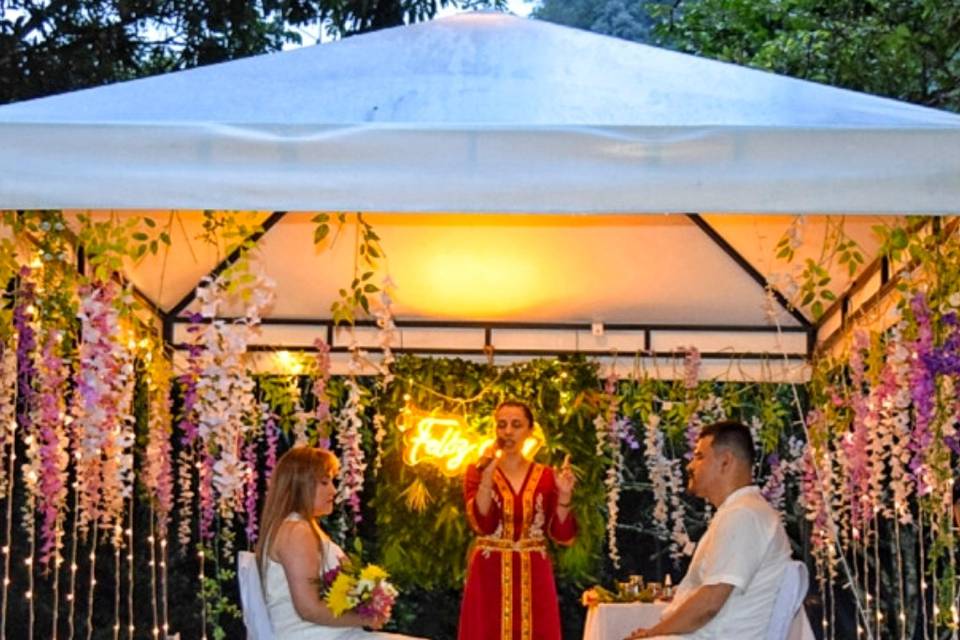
[(287, 625)]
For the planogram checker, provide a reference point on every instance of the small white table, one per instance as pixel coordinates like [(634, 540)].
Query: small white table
[(615, 620)]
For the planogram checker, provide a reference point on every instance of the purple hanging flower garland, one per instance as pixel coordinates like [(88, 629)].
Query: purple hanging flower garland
[(923, 394), (188, 455), (24, 322), (272, 433)]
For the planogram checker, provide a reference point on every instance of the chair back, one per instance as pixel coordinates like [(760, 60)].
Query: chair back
[(255, 616), (790, 595)]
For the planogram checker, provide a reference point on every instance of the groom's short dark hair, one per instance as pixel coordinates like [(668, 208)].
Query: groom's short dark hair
[(733, 435)]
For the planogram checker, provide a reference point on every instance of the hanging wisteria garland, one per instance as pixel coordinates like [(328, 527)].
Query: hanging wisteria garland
[(224, 410)]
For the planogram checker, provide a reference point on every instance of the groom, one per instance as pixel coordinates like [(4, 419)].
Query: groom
[(736, 570)]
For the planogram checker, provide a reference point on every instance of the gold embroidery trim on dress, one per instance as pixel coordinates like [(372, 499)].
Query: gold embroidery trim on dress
[(506, 562), (526, 586), (501, 544)]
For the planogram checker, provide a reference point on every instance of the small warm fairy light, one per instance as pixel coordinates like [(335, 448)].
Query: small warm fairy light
[(156, 631), (74, 567), (69, 597), (289, 363), (150, 564), (31, 310), (406, 397), (6, 550), (28, 561), (29, 595), (563, 411), (563, 375), (150, 539)]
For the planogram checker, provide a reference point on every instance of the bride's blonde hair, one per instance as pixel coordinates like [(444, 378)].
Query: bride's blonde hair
[(292, 489)]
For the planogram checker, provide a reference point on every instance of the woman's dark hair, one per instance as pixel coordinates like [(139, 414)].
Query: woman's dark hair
[(523, 406)]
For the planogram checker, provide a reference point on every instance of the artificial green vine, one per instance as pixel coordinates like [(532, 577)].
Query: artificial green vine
[(368, 253), (814, 282)]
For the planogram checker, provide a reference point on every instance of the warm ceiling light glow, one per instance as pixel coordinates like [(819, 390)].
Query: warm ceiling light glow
[(483, 278)]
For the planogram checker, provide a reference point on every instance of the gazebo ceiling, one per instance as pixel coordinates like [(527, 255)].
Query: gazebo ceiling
[(534, 283)]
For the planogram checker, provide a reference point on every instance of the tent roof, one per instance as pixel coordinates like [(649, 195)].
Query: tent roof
[(479, 113)]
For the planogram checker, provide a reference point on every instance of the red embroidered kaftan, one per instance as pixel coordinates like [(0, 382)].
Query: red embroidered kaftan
[(510, 592)]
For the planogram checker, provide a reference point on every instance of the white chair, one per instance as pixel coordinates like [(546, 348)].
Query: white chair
[(789, 600), (255, 616)]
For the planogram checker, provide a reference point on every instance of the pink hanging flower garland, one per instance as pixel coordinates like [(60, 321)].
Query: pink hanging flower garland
[(53, 448), (225, 392), (352, 463), (608, 445), (8, 406), (855, 443), (320, 381), (157, 473), (102, 428)]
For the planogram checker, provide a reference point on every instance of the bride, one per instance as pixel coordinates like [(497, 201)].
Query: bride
[(293, 552)]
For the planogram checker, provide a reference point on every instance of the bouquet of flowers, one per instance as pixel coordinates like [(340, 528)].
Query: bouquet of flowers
[(366, 591)]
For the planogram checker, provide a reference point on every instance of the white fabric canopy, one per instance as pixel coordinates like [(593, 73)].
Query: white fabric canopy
[(479, 113)]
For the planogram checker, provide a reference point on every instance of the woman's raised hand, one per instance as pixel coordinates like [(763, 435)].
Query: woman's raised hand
[(565, 481)]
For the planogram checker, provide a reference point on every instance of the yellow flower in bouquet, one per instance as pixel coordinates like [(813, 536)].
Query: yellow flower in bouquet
[(339, 598), (366, 591), (372, 573)]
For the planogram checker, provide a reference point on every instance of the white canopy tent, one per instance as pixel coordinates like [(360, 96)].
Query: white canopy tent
[(492, 114), (479, 112)]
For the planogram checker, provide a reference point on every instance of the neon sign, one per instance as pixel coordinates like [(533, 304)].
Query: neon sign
[(446, 441)]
